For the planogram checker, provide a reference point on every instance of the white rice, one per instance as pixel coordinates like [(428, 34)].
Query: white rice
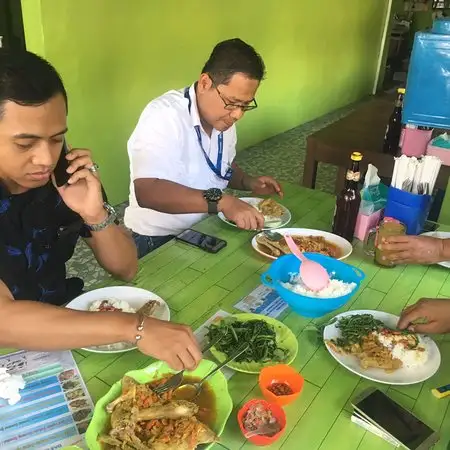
[(115, 303), (336, 288), (409, 357)]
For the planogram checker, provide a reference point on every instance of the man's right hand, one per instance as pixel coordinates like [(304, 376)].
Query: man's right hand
[(245, 216), (427, 316), (170, 342)]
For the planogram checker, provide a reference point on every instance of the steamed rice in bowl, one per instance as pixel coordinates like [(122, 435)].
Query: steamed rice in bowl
[(334, 289)]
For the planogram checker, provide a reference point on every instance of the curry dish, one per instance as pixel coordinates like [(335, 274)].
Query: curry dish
[(310, 244), (142, 420)]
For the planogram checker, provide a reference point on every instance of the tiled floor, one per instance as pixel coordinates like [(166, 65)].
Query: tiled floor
[(281, 156)]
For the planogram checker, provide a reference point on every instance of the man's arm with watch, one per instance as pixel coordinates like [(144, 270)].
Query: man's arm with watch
[(111, 244), (173, 198)]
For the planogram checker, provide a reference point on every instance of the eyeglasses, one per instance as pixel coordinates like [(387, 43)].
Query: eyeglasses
[(234, 106)]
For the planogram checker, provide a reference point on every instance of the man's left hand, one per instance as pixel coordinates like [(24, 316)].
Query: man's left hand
[(265, 186), (83, 192), (413, 249)]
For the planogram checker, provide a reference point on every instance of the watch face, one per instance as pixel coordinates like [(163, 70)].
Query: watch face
[(213, 195)]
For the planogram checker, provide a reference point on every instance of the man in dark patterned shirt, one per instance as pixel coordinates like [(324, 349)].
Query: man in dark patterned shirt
[(40, 224)]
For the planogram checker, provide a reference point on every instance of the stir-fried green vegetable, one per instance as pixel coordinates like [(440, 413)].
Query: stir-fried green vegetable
[(354, 328), (232, 334)]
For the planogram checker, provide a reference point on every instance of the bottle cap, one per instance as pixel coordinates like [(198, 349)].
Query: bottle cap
[(356, 156), (401, 91)]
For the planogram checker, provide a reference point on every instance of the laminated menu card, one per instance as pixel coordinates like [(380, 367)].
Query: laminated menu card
[(55, 408)]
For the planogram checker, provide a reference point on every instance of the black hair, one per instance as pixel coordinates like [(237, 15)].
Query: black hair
[(27, 79), (234, 56)]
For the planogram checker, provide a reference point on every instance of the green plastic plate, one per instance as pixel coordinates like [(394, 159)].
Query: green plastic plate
[(285, 339), (156, 370)]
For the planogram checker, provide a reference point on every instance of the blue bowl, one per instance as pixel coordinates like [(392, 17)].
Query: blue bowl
[(282, 269)]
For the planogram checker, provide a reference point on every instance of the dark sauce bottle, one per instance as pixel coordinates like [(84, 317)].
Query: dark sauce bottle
[(348, 201)]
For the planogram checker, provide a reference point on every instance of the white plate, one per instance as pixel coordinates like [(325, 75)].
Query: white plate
[(401, 376), (440, 235), (135, 297), (340, 242), (284, 219)]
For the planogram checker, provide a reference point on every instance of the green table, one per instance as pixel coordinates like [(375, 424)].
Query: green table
[(196, 284)]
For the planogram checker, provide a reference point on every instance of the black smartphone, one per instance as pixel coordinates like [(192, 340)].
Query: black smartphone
[(208, 243), (403, 426), (60, 170)]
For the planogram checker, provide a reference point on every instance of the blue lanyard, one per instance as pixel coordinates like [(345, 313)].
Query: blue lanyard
[(217, 169)]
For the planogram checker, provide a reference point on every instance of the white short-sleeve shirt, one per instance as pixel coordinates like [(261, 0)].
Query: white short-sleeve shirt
[(165, 145)]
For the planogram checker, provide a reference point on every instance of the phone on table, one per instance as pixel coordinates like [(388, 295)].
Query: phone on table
[(208, 243), (364, 423), (60, 171), (380, 410)]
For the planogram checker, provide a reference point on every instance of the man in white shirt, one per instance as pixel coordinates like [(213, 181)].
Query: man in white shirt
[(183, 148)]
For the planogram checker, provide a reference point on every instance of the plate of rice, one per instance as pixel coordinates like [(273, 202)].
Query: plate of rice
[(125, 299), (369, 344)]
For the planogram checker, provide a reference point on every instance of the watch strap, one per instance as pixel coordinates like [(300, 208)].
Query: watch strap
[(212, 207), (110, 219)]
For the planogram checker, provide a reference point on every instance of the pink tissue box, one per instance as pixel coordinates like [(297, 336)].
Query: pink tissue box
[(365, 223), (442, 153), (414, 141)]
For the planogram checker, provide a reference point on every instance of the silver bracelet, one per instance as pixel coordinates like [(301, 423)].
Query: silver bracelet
[(139, 328)]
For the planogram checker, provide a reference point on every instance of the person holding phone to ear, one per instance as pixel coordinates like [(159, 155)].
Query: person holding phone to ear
[(48, 199)]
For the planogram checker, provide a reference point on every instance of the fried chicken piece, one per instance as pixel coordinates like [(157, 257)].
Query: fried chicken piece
[(128, 393), (174, 410)]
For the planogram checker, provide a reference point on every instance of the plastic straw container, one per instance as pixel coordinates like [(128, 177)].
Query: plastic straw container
[(410, 209)]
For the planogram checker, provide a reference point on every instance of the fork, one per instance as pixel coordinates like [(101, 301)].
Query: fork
[(175, 381)]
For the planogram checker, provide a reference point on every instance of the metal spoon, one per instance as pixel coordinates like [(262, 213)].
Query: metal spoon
[(174, 381), (190, 391), (273, 235)]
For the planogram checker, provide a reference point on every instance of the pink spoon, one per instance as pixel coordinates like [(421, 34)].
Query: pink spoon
[(314, 276)]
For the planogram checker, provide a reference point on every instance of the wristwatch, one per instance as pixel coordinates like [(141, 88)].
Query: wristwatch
[(112, 216), (212, 196)]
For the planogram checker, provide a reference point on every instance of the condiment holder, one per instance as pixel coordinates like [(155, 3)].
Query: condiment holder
[(277, 413), (280, 373)]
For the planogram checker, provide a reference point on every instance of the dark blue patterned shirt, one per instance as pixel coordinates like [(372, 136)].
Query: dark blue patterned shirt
[(38, 233)]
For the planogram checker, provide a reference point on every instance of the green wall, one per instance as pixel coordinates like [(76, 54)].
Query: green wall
[(116, 55)]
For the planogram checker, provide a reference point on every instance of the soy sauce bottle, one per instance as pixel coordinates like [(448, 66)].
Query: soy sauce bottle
[(348, 201), (393, 133)]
